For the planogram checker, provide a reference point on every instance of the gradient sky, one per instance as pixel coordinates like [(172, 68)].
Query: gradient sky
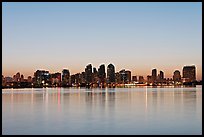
[(135, 36)]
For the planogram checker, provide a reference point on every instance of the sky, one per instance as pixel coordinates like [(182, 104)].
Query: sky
[(135, 36)]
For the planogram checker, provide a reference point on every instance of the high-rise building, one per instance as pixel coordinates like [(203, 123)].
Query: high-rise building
[(177, 76), (73, 79), (101, 74), (42, 77), (88, 74), (110, 73), (95, 76), (94, 70), (128, 76), (83, 80), (77, 78), (161, 75), (117, 78), (123, 76), (189, 73), (56, 79), (154, 75), (65, 77)]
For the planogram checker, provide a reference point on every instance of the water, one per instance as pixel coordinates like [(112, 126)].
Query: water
[(102, 111)]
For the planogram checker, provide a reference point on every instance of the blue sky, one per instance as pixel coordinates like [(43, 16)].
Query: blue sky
[(135, 36)]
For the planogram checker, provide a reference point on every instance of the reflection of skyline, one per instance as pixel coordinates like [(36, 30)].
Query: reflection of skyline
[(156, 100), (130, 109)]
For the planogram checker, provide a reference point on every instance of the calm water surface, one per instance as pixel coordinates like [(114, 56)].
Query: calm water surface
[(102, 111)]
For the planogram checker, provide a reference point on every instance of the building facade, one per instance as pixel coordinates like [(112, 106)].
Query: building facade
[(189, 73), (110, 74)]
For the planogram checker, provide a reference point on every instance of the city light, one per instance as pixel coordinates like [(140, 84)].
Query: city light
[(93, 78)]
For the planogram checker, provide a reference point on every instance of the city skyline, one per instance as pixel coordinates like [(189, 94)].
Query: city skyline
[(105, 71), (101, 77), (134, 36)]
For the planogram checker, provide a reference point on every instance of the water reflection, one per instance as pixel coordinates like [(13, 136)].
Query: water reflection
[(103, 111), (153, 98)]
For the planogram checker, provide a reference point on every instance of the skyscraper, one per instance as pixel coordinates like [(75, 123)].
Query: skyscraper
[(154, 75), (128, 76), (117, 78), (110, 73), (123, 76), (65, 77), (95, 76), (94, 70), (161, 75), (189, 73), (177, 76), (42, 77), (101, 74), (88, 74), (56, 79)]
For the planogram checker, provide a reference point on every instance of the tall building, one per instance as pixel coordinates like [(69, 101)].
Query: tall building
[(128, 76), (83, 80), (110, 73), (177, 76), (154, 75), (56, 79), (95, 76), (65, 77), (189, 73), (117, 78), (94, 70), (42, 77), (161, 75), (88, 74), (77, 78), (123, 76), (101, 74), (72, 77)]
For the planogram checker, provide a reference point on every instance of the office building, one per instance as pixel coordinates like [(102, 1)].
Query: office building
[(110, 74), (189, 73), (56, 79), (177, 76), (117, 78), (161, 75), (65, 77), (128, 76), (101, 74), (154, 75), (123, 76), (88, 74), (42, 78)]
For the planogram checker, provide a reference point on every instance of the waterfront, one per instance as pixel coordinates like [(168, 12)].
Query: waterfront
[(141, 110)]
